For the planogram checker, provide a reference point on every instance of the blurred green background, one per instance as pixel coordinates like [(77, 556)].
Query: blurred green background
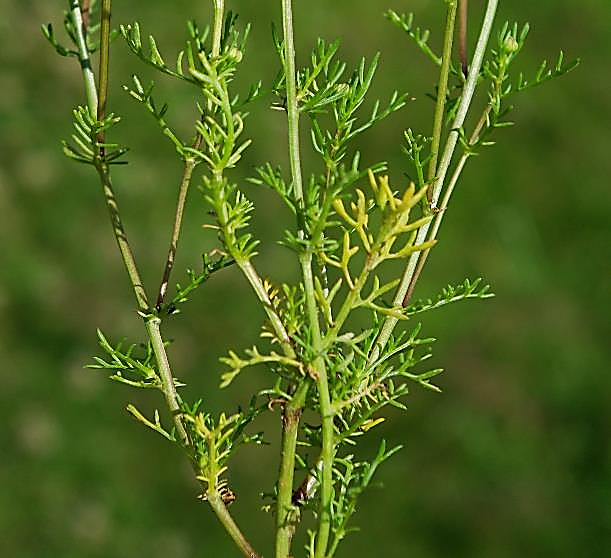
[(512, 459)]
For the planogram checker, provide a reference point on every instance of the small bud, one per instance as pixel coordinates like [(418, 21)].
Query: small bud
[(235, 54), (510, 45)]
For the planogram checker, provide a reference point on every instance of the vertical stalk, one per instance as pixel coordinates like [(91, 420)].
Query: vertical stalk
[(152, 322), (463, 107), (305, 259)]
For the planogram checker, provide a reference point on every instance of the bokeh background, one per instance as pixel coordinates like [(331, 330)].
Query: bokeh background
[(512, 459)]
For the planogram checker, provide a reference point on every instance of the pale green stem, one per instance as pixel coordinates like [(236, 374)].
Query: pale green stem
[(220, 509), (167, 380), (463, 107), (319, 369), (219, 9), (442, 88), (85, 60), (291, 100)]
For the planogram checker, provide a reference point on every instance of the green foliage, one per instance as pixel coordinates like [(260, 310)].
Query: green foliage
[(87, 147), (345, 233)]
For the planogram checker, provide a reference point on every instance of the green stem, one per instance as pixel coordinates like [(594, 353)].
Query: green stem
[(326, 409), (442, 88), (216, 502), (463, 107), (121, 238), (318, 365), (287, 514), (84, 59), (167, 380)]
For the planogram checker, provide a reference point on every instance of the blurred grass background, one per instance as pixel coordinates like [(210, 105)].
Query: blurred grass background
[(512, 459)]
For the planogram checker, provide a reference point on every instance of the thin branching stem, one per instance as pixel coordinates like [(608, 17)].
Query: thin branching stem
[(153, 323), (463, 107)]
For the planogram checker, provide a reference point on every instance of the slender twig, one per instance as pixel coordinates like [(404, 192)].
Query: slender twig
[(463, 107), (152, 323), (183, 189), (442, 89)]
